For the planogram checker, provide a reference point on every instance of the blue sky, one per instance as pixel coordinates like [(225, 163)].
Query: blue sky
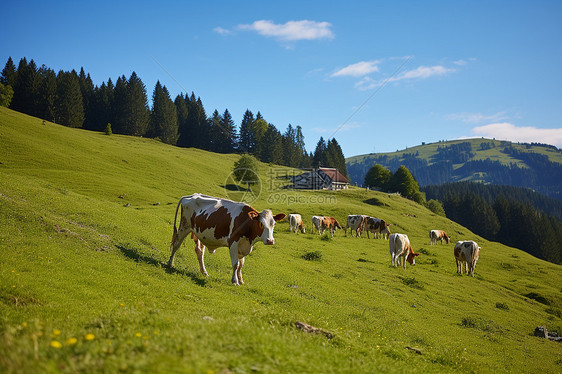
[(377, 76)]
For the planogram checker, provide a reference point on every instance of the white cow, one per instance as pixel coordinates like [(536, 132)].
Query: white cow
[(400, 247), (435, 235), (296, 223), (466, 253), (317, 221), (355, 223)]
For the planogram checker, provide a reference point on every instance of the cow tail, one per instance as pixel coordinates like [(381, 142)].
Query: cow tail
[(176, 218)]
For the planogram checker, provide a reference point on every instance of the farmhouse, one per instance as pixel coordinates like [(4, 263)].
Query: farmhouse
[(321, 179)]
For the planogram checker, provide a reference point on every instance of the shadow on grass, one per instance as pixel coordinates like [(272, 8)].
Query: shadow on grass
[(134, 255)]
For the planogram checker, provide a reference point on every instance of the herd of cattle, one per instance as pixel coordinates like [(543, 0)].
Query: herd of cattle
[(215, 222)]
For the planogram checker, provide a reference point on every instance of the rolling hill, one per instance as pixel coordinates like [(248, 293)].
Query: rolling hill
[(85, 225), (533, 166)]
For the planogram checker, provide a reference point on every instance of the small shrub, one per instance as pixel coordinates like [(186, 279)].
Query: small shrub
[(312, 256), (538, 298), (326, 237), (412, 282), (477, 323), (502, 306), (107, 130)]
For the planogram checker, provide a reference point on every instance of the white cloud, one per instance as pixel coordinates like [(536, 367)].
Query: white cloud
[(221, 31), (358, 69), (476, 118), (523, 134), (423, 72), (292, 30)]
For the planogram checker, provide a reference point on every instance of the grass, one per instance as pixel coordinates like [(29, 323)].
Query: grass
[(83, 286)]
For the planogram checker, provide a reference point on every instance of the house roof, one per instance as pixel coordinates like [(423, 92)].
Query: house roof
[(334, 175)]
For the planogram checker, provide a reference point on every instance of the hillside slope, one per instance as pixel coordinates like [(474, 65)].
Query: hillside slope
[(484, 160), (86, 221)]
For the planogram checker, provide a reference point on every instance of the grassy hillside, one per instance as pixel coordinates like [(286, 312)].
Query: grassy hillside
[(427, 151), (538, 167), (85, 224)]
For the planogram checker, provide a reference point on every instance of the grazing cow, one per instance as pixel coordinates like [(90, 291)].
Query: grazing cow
[(466, 253), (317, 222), (377, 226), (330, 223), (400, 247), (214, 222), (296, 224), (435, 235), (355, 223)]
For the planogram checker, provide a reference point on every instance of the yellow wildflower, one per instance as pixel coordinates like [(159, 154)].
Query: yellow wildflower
[(56, 344), (89, 337), (71, 341)]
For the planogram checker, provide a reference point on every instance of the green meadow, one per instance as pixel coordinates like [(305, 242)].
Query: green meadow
[(86, 221)]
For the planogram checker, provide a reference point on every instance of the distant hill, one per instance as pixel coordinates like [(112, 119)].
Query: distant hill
[(535, 166)]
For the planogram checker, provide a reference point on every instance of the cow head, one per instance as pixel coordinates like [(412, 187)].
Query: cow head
[(411, 257), (303, 230), (265, 221)]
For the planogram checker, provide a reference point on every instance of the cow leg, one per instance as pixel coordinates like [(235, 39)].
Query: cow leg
[(239, 270), (200, 251), (234, 260), (177, 239)]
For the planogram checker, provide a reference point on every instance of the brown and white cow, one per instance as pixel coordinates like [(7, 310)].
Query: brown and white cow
[(435, 235), (400, 247), (216, 222), (355, 223), (296, 223), (331, 224), (377, 226), (466, 253)]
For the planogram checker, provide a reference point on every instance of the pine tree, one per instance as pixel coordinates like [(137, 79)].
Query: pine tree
[(182, 114), (319, 159), (290, 151), (137, 113), (229, 136), (69, 107), (26, 88), (9, 74), (47, 94), (246, 143), (103, 113), (88, 99), (335, 157), (119, 112), (258, 129), (303, 159), (163, 119), (273, 153)]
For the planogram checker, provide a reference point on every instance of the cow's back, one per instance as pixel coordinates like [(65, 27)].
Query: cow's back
[(211, 219)]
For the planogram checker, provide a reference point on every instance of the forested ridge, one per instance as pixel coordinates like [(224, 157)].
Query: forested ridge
[(72, 99), (514, 216), (457, 162)]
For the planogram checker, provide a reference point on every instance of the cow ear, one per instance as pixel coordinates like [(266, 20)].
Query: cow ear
[(416, 254), (278, 217), (253, 214)]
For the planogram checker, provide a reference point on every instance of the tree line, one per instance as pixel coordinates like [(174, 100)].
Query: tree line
[(71, 99), (401, 181), (514, 216)]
